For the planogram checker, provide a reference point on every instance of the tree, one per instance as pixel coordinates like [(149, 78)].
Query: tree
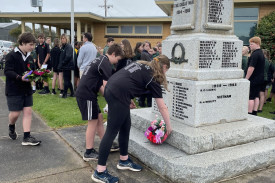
[(266, 31), (17, 31)]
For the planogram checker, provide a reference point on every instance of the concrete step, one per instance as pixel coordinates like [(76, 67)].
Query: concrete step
[(202, 139), (205, 167)]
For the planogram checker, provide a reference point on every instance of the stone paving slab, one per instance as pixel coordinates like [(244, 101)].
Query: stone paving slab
[(75, 136), (20, 163), (75, 176)]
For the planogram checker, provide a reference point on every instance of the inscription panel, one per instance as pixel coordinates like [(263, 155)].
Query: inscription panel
[(198, 103), (211, 56), (219, 14), (183, 15)]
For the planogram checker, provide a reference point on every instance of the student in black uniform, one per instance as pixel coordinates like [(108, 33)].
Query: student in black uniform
[(121, 88), (93, 80), (18, 89)]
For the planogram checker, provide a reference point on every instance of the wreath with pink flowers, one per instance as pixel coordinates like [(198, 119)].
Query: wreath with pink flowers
[(156, 133)]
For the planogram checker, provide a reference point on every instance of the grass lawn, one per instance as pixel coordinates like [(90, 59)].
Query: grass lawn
[(59, 112)]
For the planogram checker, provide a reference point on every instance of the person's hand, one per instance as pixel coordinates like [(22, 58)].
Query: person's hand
[(39, 65), (25, 80), (168, 128), (272, 80), (132, 105)]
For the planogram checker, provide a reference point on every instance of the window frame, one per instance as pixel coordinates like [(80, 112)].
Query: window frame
[(133, 30)]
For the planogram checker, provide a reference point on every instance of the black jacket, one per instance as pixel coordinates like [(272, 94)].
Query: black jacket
[(55, 55), (66, 61), (146, 56), (14, 70)]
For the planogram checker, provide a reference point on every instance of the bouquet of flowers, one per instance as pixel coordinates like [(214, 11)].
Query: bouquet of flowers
[(39, 74), (156, 133)]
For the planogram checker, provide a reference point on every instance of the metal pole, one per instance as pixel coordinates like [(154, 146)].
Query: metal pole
[(105, 5), (72, 35)]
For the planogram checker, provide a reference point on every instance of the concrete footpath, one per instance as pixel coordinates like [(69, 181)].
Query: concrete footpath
[(59, 157)]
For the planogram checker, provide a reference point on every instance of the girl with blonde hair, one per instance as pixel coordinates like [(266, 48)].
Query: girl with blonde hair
[(131, 81)]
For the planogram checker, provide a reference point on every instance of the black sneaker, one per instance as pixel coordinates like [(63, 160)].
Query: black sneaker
[(128, 165), (43, 92), (104, 177), (33, 91), (272, 112), (114, 147), (12, 134), (268, 100), (30, 141), (92, 156), (53, 92)]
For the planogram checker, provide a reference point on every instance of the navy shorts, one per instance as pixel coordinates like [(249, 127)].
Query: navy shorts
[(17, 103), (89, 109)]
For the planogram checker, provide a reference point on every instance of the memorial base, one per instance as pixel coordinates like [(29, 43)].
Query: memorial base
[(237, 148)]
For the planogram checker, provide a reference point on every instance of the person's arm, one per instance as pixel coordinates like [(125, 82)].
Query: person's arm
[(38, 61), (80, 57), (10, 72), (46, 59), (250, 71), (165, 114), (101, 89)]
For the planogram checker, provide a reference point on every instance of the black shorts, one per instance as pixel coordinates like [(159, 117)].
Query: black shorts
[(89, 109), (17, 103), (263, 86), (273, 88), (254, 91)]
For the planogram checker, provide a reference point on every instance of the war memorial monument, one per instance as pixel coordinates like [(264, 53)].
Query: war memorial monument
[(213, 136)]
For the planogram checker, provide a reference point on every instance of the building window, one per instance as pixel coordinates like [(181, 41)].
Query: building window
[(126, 29), (112, 29), (245, 23), (141, 29), (155, 29)]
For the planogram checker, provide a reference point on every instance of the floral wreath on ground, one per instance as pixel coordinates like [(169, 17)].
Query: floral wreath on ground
[(156, 133), (38, 74)]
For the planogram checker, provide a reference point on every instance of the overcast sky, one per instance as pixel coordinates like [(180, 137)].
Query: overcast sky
[(120, 7)]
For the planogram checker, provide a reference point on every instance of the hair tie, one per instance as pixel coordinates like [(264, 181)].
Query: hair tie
[(156, 59)]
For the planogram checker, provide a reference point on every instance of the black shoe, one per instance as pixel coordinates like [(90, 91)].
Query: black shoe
[(92, 156), (114, 147), (72, 95), (53, 92), (30, 141), (104, 177), (43, 92), (268, 100), (33, 91), (61, 92), (12, 134), (260, 111), (272, 112), (64, 96), (128, 165)]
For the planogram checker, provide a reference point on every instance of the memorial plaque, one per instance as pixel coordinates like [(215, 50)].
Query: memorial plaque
[(183, 15), (206, 102), (219, 15)]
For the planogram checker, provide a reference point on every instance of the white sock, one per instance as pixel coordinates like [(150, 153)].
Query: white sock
[(33, 87)]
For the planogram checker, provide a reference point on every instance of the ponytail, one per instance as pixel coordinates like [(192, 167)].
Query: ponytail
[(157, 66)]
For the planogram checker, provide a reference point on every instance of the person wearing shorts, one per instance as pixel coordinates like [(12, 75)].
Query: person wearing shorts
[(93, 80), (255, 74), (18, 89)]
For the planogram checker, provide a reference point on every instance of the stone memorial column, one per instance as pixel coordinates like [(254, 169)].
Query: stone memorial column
[(205, 78)]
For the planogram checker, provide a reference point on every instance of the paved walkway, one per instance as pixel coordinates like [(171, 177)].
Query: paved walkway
[(58, 158)]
